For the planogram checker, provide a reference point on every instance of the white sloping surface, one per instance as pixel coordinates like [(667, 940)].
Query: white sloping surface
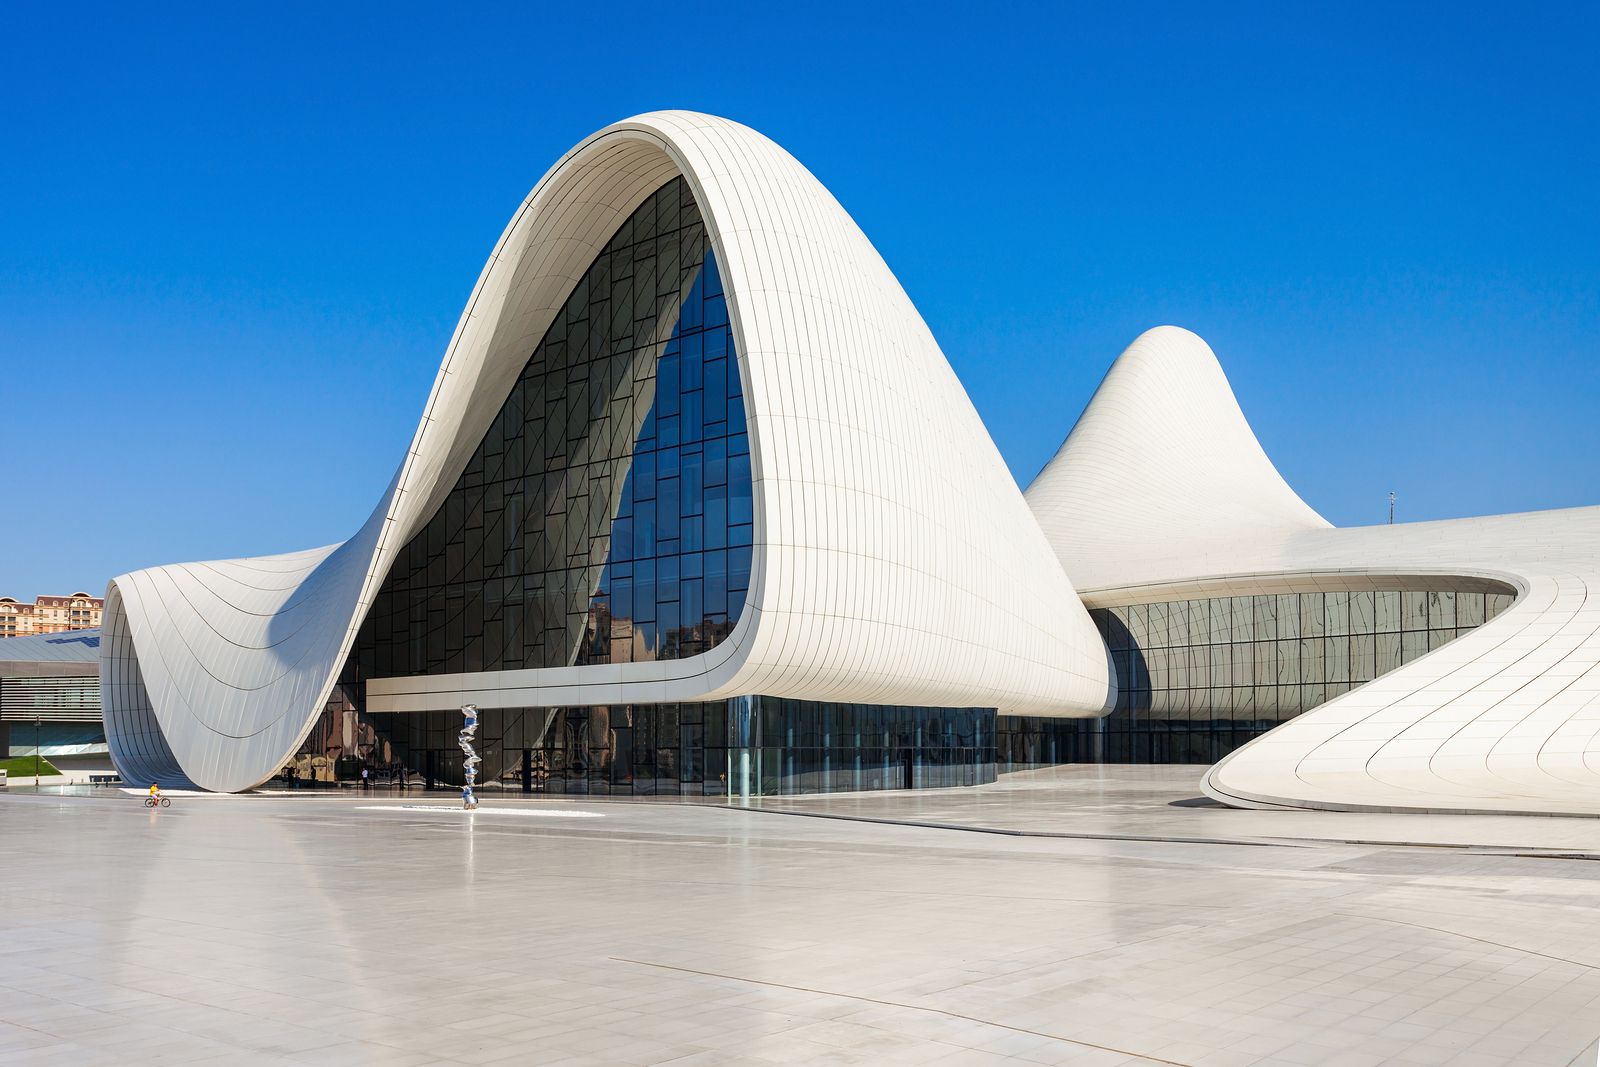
[(71, 646), (1161, 456), (894, 560), (1505, 718), (208, 669)]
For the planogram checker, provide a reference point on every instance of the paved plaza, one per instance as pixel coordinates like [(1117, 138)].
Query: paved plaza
[(1092, 916)]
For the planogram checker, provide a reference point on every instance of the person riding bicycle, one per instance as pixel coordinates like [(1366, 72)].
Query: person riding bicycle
[(155, 791)]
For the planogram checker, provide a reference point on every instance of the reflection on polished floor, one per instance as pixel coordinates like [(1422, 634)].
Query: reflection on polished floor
[(1106, 920)]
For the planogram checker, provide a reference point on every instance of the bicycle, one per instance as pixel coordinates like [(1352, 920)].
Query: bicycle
[(151, 802)]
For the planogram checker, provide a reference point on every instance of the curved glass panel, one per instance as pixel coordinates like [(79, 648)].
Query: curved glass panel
[(606, 516)]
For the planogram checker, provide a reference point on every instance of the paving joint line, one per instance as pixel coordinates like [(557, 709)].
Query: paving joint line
[(1060, 834), (1474, 937), (1500, 851), (900, 1004)]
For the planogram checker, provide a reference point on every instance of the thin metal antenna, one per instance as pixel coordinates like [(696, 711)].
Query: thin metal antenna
[(1391, 509)]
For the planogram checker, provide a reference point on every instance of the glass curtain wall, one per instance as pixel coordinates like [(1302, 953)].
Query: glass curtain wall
[(1199, 678), (760, 745), (606, 516)]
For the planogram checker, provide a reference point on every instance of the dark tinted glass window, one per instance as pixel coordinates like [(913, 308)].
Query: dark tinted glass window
[(1191, 693), (606, 516)]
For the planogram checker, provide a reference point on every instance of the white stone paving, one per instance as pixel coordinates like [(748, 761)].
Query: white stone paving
[(313, 929)]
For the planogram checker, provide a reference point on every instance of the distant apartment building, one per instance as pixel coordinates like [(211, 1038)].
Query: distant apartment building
[(49, 614)]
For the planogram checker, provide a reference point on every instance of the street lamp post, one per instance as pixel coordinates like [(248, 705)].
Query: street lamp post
[(36, 767)]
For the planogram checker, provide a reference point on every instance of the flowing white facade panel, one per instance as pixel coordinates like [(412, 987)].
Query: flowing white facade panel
[(206, 668), (1505, 718), (1161, 457), (894, 560)]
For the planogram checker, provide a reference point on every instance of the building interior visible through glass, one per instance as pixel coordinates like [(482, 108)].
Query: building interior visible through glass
[(606, 517)]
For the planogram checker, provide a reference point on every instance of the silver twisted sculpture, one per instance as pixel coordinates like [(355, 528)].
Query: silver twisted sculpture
[(469, 756)]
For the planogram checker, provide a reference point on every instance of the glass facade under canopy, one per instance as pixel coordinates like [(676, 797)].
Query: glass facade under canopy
[(746, 746), (1198, 678)]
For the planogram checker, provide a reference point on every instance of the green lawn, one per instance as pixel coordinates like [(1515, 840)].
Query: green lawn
[(23, 767)]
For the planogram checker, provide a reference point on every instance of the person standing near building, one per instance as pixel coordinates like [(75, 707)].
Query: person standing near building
[(366, 783)]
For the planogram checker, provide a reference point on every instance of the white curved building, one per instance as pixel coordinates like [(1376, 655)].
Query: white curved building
[(1435, 666), (697, 505), (891, 559)]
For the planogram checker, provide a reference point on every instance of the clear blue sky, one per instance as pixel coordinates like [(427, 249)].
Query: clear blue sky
[(234, 243)]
